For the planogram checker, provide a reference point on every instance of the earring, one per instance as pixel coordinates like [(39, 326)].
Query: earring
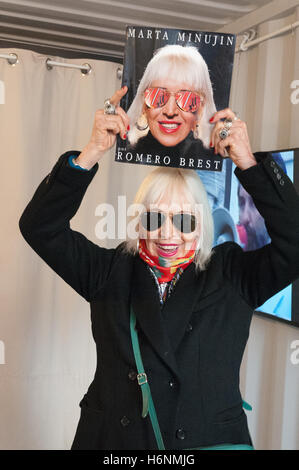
[(142, 123), (137, 246)]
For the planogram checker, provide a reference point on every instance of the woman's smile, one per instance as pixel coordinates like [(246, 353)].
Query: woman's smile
[(169, 127), (167, 250)]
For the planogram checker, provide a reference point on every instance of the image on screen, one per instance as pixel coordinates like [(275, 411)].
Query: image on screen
[(237, 219)]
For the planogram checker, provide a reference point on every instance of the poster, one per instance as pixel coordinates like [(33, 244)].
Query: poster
[(176, 80)]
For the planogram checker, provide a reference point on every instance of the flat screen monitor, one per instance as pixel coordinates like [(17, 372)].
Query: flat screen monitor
[(237, 219)]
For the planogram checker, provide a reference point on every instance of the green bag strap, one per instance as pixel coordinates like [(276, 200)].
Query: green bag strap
[(225, 447), (148, 404), (246, 406)]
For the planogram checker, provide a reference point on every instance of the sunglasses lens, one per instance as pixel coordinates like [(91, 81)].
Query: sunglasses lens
[(186, 223), (158, 97), (188, 101), (155, 97), (152, 220)]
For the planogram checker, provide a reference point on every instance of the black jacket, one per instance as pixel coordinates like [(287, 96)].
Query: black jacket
[(192, 348)]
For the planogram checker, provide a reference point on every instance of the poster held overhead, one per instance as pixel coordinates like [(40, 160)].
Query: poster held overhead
[(176, 81)]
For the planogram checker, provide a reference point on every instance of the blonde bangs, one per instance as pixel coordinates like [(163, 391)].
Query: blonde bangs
[(182, 67), (166, 182)]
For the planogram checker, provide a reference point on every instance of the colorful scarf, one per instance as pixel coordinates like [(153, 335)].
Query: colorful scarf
[(163, 268)]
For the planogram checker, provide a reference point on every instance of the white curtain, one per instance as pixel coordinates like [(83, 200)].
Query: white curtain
[(261, 94), (44, 324)]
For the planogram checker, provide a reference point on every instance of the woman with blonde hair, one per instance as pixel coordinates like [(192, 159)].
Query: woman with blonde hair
[(181, 71), (170, 317)]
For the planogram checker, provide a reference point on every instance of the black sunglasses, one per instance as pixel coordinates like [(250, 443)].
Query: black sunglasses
[(183, 221)]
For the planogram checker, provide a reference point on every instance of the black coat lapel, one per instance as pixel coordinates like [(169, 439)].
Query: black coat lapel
[(178, 308), (146, 305)]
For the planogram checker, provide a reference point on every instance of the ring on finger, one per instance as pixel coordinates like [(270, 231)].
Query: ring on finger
[(109, 108), (228, 124), (224, 133)]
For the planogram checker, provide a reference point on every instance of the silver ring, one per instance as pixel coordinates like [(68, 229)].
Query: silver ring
[(228, 123), (109, 108), (224, 133)]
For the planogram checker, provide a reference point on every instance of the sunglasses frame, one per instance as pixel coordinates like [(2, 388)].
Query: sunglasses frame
[(169, 94), (172, 216)]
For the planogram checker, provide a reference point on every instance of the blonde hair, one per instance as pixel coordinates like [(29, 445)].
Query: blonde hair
[(186, 64), (173, 181)]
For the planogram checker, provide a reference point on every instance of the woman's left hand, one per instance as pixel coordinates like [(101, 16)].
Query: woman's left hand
[(237, 144)]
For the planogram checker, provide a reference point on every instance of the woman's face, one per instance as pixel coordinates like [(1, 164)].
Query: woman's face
[(168, 241), (169, 124)]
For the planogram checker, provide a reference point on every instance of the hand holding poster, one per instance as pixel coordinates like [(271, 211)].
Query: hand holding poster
[(176, 81)]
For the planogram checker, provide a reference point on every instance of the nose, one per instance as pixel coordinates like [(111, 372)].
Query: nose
[(168, 231), (170, 109), (245, 215)]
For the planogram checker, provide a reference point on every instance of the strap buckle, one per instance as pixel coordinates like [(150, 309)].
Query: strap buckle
[(142, 378)]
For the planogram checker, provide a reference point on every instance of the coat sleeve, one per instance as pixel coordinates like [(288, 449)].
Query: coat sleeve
[(259, 274), (45, 225)]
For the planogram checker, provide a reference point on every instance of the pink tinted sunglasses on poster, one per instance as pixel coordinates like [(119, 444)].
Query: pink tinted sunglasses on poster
[(186, 100)]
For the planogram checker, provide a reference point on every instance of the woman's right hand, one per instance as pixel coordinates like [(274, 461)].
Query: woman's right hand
[(104, 132)]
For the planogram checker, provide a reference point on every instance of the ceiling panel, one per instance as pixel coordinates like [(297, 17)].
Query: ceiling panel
[(98, 26)]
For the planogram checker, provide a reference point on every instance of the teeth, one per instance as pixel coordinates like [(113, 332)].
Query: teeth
[(170, 126), (168, 249)]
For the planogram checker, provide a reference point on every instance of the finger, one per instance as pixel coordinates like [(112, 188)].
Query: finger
[(115, 124), (224, 146), (115, 99), (122, 129), (215, 138), (223, 114), (124, 117), (221, 144), (235, 136), (112, 126), (215, 133), (219, 126)]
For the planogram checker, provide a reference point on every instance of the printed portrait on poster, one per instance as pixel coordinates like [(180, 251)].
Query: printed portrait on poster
[(176, 81)]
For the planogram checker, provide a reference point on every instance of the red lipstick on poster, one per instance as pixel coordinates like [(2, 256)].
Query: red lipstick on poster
[(169, 127)]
